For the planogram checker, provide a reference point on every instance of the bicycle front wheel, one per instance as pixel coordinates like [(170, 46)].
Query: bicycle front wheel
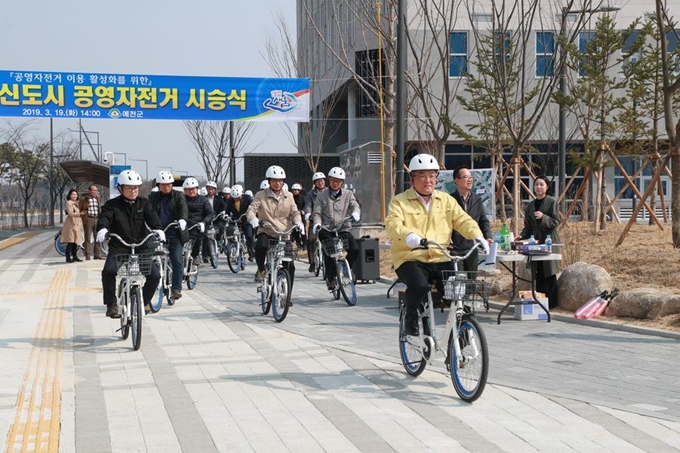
[(59, 246), (163, 289), (192, 275), (136, 316), (214, 255), (469, 370), (346, 283), (411, 355), (233, 257), (318, 258), (281, 295), (123, 307)]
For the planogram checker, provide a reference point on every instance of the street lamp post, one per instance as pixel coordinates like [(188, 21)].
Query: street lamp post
[(562, 133), (146, 167)]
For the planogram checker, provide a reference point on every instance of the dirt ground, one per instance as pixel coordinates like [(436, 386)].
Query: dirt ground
[(646, 258)]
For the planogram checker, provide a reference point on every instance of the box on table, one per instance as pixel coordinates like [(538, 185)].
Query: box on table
[(529, 310)]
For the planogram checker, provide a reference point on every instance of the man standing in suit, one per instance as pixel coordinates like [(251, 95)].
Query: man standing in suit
[(91, 207)]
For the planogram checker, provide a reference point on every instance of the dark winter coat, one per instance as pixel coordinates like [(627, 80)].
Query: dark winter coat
[(179, 207), (540, 229), (475, 209), (129, 220), (199, 211)]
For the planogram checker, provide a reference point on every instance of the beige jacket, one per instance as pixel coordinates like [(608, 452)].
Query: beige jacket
[(72, 231), (278, 212)]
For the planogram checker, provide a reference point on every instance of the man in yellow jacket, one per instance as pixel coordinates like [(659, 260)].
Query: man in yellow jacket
[(420, 213)]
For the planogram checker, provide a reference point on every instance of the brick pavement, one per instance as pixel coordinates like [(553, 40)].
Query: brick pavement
[(214, 374)]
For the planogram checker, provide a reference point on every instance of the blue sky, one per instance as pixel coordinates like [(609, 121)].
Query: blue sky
[(169, 37)]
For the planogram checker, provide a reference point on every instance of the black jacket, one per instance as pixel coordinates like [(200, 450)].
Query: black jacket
[(541, 228), (199, 210), (475, 209), (129, 220), (231, 207), (218, 205), (179, 207)]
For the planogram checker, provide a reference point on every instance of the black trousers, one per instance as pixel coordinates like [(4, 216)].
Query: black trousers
[(417, 277), (547, 284)]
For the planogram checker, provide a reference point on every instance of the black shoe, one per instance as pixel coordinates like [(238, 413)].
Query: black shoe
[(330, 284), (206, 260), (112, 311), (69, 259), (76, 259), (311, 267), (412, 327)]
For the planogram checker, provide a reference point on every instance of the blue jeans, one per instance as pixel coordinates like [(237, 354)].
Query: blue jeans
[(177, 260)]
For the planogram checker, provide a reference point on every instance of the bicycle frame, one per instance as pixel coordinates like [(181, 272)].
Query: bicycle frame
[(275, 271), (335, 249)]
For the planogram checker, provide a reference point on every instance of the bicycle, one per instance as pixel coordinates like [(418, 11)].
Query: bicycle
[(344, 280), (467, 358), (162, 256), (190, 268), (60, 247), (275, 290), (132, 268), (234, 245)]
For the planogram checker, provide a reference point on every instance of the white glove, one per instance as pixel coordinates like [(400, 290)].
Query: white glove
[(316, 228), (201, 227), (356, 216), (301, 226), (160, 234), (484, 243), (182, 224), (413, 240), (307, 216), (255, 222), (101, 235)]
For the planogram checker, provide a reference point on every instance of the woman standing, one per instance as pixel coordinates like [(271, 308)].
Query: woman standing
[(541, 219), (72, 231)]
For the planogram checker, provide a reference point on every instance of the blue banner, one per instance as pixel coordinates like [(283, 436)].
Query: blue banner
[(34, 94)]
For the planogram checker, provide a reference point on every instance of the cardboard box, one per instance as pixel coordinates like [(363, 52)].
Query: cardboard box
[(529, 310)]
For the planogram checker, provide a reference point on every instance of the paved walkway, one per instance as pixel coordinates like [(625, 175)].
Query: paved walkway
[(215, 375)]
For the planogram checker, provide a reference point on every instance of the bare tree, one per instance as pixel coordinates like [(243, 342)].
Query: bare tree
[(308, 138), (212, 145)]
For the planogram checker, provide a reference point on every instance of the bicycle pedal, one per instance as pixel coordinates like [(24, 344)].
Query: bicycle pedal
[(259, 289)]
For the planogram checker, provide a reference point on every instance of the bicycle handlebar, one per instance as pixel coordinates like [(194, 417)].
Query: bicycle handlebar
[(115, 236), (264, 224), (425, 243), (237, 220), (340, 224)]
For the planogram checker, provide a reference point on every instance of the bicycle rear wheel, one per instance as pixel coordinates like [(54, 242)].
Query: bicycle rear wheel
[(281, 295), (136, 316), (124, 304), (346, 283), (59, 246), (411, 355), (233, 257), (469, 371)]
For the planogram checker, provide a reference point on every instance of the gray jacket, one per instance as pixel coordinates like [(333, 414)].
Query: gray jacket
[(329, 212)]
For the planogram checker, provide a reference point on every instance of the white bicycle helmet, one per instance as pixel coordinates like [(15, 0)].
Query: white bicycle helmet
[(248, 192), (264, 185), (190, 183), (212, 184), (235, 186), (318, 175), (275, 172), (155, 189), (164, 177), (236, 191), (423, 162), (226, 190), (285, 187), (129, 178), (296, 186), (203, 191), (337, 172)]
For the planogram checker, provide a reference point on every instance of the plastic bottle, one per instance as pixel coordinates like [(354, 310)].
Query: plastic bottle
[(532, 240), (505, 239), (548, 244), (497, 238)]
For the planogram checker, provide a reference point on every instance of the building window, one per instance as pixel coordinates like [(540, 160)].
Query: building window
[(368, 70), (458, 54), (545, 53), (585, 47), (502, 48)]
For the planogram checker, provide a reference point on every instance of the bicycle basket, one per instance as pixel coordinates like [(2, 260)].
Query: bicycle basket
[(158, 248), (129, 265), (210, 232), (281, 249), (334, 245), (229, 230), (457, 286)]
